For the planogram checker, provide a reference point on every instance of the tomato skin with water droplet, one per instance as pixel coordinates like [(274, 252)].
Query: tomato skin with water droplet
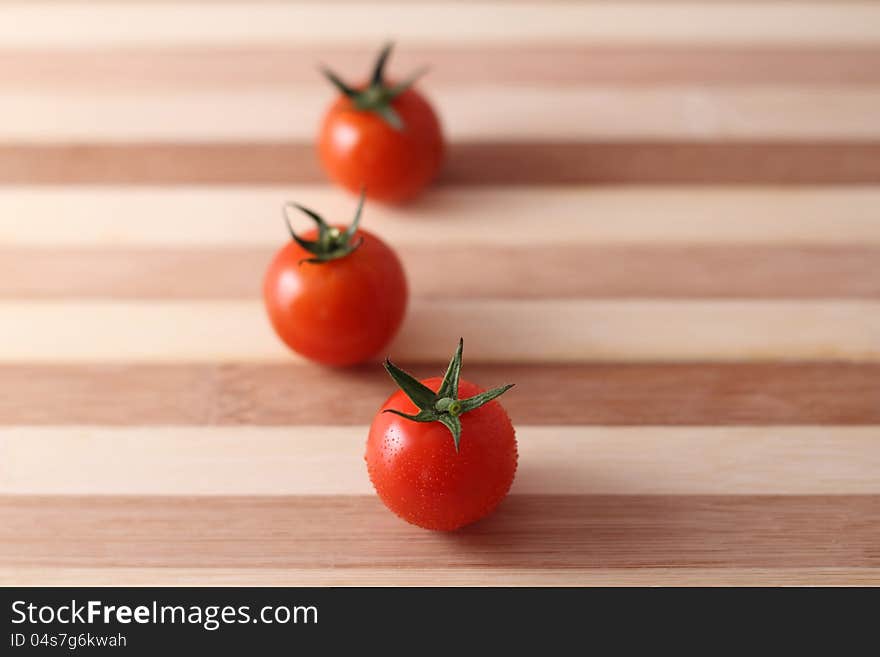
[(418, 474)]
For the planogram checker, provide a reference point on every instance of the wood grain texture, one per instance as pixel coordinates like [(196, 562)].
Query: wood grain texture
[(773, 162), (718, 114), (236, 217), (241, 23), (543, 531), (533, 331), (327, 460), (513, 272), (281, 395), (143, 69), (460, 576)]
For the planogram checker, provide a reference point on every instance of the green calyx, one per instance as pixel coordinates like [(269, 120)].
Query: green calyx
[(377, 96), (444, 405), (331, 243)]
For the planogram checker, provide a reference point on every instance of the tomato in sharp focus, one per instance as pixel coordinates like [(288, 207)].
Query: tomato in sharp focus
[(381, 136), (422, 470), (335, 295)]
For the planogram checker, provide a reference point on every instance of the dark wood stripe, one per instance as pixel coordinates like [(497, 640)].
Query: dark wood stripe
[(593, 394), (665, 163), (526, 532), (159, 163), (528, 272), (230, 69), (468, 163)]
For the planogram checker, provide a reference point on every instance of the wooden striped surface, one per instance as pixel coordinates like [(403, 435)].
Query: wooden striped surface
[(140, 23), (659, 218), (836, 112), (676, 394)]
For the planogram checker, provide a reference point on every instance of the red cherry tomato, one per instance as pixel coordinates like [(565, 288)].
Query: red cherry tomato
[(382, 137), (358, 148), (419, 475), (339, 312)]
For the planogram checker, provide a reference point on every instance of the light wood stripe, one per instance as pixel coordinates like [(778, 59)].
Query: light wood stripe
[(284, 395), (204, 218), (327, 460), (496, 331), (240, 23), (615, 272), (365, 576), (499, 163), (345, 2), (131, 69), (615, 113), (550, 3), (547, 531)]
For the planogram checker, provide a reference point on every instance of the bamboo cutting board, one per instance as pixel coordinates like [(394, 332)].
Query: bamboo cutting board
[(660, 219)]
